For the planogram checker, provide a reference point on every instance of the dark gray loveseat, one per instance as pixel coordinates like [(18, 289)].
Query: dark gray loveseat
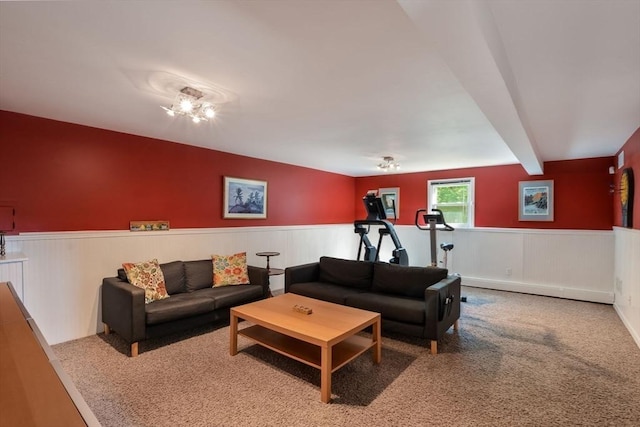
[(192, 301), (416, 301)]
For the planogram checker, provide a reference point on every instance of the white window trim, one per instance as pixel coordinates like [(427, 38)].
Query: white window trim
[(472, 197)]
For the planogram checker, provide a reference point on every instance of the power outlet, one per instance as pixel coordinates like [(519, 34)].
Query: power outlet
[(508, 272)]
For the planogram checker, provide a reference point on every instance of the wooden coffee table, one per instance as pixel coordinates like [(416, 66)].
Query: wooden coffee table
[(325, 339)]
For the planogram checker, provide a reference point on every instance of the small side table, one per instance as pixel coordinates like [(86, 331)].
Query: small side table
[(271, 271)]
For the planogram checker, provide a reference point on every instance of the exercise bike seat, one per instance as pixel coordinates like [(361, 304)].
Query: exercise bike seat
[(446, 246)]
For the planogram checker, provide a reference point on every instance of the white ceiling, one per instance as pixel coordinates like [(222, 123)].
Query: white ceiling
[(337, 85)]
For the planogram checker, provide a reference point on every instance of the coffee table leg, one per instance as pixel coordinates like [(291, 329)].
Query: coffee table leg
[(233, 334), (325, 375), (377, 336)]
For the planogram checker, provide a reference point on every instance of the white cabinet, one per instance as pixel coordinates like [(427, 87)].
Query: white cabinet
[(12, 269)]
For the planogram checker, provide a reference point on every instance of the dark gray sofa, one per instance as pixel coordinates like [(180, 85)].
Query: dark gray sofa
[(415, 301), (192, 301)]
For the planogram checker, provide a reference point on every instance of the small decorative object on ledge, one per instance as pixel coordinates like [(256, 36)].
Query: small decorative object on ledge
[(148, 225), (302, 309)]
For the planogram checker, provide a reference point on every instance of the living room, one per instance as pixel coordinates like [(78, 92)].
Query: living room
[(76, 186)]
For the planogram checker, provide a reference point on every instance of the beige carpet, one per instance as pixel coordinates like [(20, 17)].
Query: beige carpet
[(518, 360)]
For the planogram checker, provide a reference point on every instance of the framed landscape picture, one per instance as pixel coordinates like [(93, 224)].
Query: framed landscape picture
[(389, 197), (244, 198), (535, 201)]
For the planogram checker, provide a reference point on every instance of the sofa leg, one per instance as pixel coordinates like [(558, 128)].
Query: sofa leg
[(134, 349), (107, 330), (434, 347), (456, 325)]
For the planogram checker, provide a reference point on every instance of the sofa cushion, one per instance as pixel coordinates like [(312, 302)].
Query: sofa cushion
[(198, 274), (403, 280), (398, 308), (230, 296), (148, 276), (355, 274), (174, 277), (177, 307), (230, 269), (324, 291)]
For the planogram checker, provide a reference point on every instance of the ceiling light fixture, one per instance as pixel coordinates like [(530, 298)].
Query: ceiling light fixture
[(388, 164), (189, 103)]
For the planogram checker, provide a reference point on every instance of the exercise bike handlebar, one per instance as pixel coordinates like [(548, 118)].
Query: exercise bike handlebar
[(440, 220)]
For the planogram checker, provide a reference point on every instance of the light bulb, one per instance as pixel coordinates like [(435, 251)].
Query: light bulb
[(209, 112), (186, 105), (171, 113), (196, 120)]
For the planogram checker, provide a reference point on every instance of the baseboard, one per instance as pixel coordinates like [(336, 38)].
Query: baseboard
[(634, 334), (535, 289)]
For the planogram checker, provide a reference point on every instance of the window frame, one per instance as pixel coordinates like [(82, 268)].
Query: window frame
[(471, 184)]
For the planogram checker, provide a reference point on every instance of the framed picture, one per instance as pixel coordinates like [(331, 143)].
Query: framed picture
[(535, 201), (390, 197), (244, 198)]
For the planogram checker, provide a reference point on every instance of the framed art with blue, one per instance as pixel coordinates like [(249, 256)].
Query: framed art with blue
[(535, 200), (244, 198)]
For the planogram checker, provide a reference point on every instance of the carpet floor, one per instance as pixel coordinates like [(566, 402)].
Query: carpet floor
[(517, 360)]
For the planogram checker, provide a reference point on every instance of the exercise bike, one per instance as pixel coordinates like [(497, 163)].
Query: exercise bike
[(431, 223)]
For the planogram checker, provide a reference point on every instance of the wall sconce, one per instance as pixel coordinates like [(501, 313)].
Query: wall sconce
[(612, 187), (7, 223)]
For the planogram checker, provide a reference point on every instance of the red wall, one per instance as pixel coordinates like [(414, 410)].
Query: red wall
[(64, 177), (631, 160), (581, 189)]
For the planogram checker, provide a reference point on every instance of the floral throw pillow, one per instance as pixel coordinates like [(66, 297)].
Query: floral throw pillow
[(148, 276), (230, 269)]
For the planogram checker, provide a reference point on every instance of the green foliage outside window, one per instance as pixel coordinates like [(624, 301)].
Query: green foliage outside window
[(453, 201)]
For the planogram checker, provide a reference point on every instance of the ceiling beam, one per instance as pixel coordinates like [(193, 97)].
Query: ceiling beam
[(466, 37)]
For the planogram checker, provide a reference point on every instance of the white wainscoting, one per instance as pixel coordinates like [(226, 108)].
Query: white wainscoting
[(65, 270), (575, 264), (627, 279)]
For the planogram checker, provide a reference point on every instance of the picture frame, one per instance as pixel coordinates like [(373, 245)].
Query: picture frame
[(388, 196), (244, 198), (535, 200)]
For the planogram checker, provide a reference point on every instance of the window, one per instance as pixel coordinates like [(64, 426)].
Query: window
[(454, 197)]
